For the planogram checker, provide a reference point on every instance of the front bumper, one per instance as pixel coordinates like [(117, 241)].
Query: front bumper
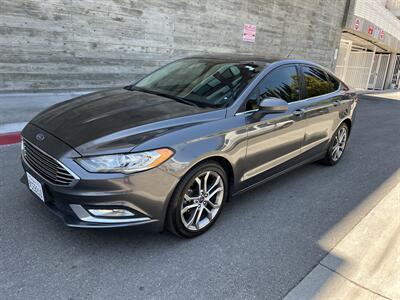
[(144, 194)]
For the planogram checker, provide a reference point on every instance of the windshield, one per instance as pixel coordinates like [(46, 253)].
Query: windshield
[(201, 81)]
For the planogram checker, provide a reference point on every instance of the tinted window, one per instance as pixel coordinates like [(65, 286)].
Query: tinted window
[(335, 82), (282, 83), (205, 82), (316, 83)]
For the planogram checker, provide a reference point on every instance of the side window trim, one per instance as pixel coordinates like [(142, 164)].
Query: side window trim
[(302, 83), (299, 78)]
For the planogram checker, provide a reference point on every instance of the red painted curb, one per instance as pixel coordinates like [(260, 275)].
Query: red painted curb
[(10, 138)]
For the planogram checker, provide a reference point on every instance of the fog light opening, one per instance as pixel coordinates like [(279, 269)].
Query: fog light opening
[(110, 213)]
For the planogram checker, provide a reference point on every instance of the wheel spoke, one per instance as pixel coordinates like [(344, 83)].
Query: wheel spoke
[(190, 222), (199, 213), (214, 192), (335, 141), (205, 182), (213, 205), (334, 150), (188, 198), (186, 208), (341, 139), (340, 136), (209, 214), (199, 184), (336, 154), (214, 185)]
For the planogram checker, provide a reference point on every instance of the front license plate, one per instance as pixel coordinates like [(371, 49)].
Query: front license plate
[(35, 186)]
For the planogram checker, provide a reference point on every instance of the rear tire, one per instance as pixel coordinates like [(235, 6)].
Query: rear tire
[(198, 200), (337, 145)]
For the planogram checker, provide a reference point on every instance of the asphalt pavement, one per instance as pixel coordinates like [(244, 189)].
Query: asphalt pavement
[(265, 242)]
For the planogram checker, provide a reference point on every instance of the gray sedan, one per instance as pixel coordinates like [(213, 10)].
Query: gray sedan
[(171, 149)]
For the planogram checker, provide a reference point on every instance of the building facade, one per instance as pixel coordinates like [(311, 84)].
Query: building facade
[(63, 44), (369, 57)]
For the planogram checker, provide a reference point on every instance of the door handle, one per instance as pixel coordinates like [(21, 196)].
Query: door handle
[(285, 124), (298, 112), (336, 103)]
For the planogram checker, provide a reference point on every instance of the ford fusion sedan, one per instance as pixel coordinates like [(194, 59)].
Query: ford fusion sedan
[(171, 149)]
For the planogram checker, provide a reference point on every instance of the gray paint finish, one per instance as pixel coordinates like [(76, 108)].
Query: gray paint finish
[(87, 44), (256, 146)]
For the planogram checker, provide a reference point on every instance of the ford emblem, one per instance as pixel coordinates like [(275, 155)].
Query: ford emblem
[(40, 137)]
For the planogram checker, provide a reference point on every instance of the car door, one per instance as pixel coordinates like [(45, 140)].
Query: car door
[(322, 104), (273, 139)]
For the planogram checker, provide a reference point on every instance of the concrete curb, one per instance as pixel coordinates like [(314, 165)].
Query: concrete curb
[(10, 138), (11, 133)]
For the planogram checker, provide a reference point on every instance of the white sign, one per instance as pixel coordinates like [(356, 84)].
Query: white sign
[(357, 24), (249, 33)]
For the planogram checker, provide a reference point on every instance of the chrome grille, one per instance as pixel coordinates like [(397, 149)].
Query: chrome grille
[(48, 167)]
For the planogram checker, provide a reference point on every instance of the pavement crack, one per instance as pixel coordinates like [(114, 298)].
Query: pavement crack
[(353, 282)]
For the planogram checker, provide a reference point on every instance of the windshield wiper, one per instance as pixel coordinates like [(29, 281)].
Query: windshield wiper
[(182, 100)]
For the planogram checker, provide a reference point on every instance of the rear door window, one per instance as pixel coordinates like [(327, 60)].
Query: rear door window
[(316, 82), (336, 83)]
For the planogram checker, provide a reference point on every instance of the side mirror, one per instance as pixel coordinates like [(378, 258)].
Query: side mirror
[(273, 105)]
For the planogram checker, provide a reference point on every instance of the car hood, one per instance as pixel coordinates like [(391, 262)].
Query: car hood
[(117, 120)]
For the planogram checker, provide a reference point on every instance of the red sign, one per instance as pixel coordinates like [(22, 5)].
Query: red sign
[(249, 33), (370, 29), (357, 24)]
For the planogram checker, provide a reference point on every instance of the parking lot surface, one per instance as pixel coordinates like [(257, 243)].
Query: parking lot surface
[(265, 242)]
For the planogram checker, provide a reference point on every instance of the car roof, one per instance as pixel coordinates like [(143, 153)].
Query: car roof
[(252, 58), (236, 58)]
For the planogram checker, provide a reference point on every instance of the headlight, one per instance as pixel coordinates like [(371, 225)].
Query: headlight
[(125, 163)]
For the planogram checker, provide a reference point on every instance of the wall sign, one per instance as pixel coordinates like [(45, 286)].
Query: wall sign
[(249, 33), (370, 29), (382, 34), (357, 24), (377, 32)]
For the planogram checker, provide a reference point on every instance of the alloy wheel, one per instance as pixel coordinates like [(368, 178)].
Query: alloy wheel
[(339, 144), (202, 200)]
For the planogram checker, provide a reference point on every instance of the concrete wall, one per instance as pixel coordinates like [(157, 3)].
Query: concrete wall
[(66, 44)]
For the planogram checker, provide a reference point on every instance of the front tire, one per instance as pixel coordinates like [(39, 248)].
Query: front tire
[(198, 200), (336, 146)]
